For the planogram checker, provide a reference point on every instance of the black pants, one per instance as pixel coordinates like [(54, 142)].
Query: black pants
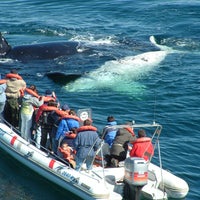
[(45, 133), (11, 112)]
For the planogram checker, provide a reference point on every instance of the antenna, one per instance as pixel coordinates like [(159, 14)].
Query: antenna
[(154, 112)]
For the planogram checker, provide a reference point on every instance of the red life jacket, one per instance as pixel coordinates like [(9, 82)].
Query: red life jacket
[(142, 147), (43, 108)]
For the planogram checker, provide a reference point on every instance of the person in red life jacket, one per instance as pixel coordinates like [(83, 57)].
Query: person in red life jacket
[(36, 128), (86, 143), (2, 95), (55, 118), (66, 152), (142, 146), (119, 147), (29, 102), (15, 87)]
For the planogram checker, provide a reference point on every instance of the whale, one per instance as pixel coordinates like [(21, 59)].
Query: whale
[(49, 50), (121, 75)]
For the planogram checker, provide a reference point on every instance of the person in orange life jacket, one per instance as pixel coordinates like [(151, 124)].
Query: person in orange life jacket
[(55, 118), (66, 152), (42, 121), (49, 97), (29, 102), (2, 95), (109, 131), (15, 86), (119, 147), (67, 128), (142, 146), (86, 143)]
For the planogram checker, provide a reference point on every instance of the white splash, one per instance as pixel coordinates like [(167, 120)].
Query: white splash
[(120, 75), (6, 60)]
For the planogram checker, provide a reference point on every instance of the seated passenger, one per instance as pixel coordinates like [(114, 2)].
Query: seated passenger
[(66, 153), (142, 147)]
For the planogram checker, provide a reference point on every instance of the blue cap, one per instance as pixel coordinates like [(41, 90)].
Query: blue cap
[(65, 107), (48, 92)]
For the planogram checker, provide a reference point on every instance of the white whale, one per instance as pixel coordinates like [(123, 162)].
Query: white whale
[(121, 75)]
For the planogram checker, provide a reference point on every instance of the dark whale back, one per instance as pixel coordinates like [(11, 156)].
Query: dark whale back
[(49, 50), (43, 51)]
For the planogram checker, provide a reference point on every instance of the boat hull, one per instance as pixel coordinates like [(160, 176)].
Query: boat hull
[(52, 170), (161, 184)]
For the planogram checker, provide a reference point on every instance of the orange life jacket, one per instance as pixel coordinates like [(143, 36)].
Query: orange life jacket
[(67, 154), (17, 76), (33, 93), (2, 81), (62, 113), (71, 117), (130, 130), (86, 128)]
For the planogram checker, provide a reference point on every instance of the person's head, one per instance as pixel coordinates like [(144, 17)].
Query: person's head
[(87, 122), (110, 119), (64, 146), (141, 133), (33, 87), (48, 93), (53, 103), (13, 71), (72, 112)]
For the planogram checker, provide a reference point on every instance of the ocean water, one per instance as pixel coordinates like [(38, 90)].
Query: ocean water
[(165, 89)]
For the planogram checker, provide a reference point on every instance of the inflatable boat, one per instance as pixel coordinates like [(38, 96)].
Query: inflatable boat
[(101, 183)]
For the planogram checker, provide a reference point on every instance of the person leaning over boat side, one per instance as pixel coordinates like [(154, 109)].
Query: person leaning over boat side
[(86, 143), (54, 118), (15, 87), (119, 148), (42, 121), (67, 128), (142, 146), (49, 97), (110, 131), (30, 101), (2, 95)]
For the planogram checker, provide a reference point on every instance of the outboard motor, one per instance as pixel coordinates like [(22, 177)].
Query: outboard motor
[(136, 176)]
